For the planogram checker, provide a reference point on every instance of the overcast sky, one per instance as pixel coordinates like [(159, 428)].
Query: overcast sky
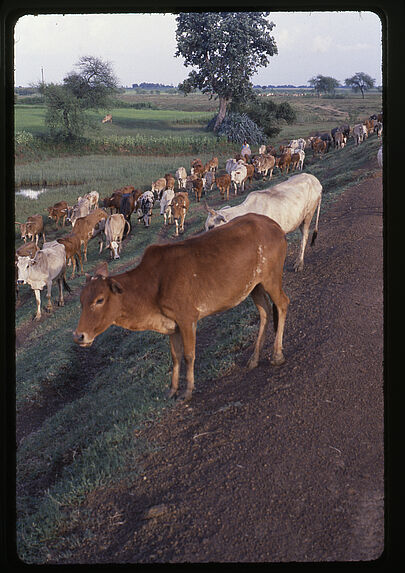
[(141, 47)]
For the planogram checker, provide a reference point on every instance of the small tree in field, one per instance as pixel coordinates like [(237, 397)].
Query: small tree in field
[(323, 84), (360, 82), (89, 88), (226, 49)]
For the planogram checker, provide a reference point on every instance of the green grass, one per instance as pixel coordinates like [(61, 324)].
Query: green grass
[(97, 398)]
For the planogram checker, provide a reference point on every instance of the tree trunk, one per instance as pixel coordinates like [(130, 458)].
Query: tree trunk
[(221, 114)]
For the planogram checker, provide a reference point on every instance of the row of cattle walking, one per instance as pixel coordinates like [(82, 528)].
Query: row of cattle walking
[(184, 281)]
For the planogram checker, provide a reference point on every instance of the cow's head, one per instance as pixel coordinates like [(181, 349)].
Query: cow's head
[(101, 305), (114, 246), (23, 264), (214, 219)]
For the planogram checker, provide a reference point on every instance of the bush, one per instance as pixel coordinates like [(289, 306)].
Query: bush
[(237, 127)]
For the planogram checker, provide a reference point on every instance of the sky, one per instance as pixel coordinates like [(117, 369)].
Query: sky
[(141, 47)]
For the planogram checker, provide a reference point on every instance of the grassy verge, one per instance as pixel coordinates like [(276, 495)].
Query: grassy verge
[(95, 399)]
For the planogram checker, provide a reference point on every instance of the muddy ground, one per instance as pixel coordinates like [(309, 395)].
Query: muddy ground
[(279, 464)]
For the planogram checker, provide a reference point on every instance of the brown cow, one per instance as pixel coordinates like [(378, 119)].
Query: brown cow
[(85, 225), (184, 282), (58, 211), (223, 183), (32, 228), (198, 185), (170, 181), (179, 205), (211, 165), (73, 245), (107, 118), (283, 162)]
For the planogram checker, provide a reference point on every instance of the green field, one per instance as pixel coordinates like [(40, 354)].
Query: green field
[(95, 399)]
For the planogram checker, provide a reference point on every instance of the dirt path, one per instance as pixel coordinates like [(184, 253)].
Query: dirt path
[(278, 464)]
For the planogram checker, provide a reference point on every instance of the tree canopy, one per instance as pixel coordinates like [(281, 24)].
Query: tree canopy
[(360, 82), (91, 87), (323, 84), (226, 49)]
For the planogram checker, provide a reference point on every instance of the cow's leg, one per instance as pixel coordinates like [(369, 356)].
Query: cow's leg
[(176, 349), (48, 295), (61, 301), (304, 228), (280, 306), (188, 335), (259, 297), (73, 259), (38, 301)]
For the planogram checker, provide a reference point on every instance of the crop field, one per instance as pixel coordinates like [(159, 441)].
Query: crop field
[(89, 403)]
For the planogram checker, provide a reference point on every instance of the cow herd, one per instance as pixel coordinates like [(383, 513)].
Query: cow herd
[(184, 281)]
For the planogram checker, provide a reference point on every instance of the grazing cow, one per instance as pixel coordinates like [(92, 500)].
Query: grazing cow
[(170, 181), (184, 282), (114, 230), (48, 265), (84, 227), (319, 146), (283, 162), (158, 187), (339, 140), (358, 133), (72, 244), (189, 182), (211, 165), (378, 128), (166, 205), (291, 203), (198, 188), (180, 205), (181, 176), (107, 118), (32, 228), (230, 164), (263, 164), (223, 183), (93, 198), (250, 172), (58, 211), (26, 250), (238, 177), (145, 205), (127, 205), (380, 157), (209, 180), (81, 209)]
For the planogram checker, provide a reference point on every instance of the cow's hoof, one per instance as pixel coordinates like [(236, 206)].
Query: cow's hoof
[(298, 267), (278, 360), (252, 363), (171, 393), (185, 396), (61, 303)]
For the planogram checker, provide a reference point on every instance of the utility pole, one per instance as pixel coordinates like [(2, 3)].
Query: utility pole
[(42, 74)]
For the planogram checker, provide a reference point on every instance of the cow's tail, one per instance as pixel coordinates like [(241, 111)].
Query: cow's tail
[(315, 233), (66, 286), (129, 227)]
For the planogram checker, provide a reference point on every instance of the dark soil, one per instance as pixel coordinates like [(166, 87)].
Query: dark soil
[(278, 464)]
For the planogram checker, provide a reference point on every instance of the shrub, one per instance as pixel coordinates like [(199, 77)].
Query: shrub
[(237, 127)]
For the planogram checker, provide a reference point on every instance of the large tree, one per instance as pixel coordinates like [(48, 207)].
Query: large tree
[(226, 49), (323, 84), (360, 82), (91, 87)]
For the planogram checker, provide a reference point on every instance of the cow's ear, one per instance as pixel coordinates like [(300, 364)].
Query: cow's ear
[(102, 270), (115, 286)]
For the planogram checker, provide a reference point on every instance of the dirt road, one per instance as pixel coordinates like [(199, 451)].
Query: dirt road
[(282, 463)]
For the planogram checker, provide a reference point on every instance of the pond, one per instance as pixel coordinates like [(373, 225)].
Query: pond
[(31, 193)]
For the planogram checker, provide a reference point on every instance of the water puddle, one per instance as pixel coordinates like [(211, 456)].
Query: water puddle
[(31, 193)]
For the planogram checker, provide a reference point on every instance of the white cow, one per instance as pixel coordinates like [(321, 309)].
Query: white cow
[(48, 265), (360, 133), (291, 204), (81, 209), (238, 176), (166, 205), (380, 157), (301, 153), (114, 230), (209, 180), (93, 198), (181, 177)]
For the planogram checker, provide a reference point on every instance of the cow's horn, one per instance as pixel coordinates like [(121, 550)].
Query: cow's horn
[(208, 209)]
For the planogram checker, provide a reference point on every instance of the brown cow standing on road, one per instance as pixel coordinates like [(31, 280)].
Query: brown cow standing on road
[(177, 284)]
